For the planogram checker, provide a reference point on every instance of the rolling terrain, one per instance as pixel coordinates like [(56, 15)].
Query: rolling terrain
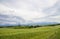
[(48, 32)]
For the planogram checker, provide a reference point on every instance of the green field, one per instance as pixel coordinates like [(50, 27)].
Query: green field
[(48, 32)]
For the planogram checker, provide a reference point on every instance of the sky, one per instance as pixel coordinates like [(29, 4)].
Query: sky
[(32, 10)]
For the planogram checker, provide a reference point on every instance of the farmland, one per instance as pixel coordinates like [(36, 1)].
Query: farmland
[(48, 32)]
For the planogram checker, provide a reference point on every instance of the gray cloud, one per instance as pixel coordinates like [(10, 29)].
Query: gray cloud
[(9, 19), (29, 10)]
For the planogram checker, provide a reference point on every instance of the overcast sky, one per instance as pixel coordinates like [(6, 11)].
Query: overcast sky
[(32, 10)]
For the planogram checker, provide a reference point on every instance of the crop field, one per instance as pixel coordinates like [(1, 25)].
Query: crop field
[(48, 32)]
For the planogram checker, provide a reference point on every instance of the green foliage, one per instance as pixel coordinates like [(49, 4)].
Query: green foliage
[(20, 27), (26, 27), (48, 32)]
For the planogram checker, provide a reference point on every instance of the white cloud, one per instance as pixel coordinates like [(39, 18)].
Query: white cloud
[(27, 9), (5, 10)]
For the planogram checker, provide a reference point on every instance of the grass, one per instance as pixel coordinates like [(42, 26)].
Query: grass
[(52, 32)]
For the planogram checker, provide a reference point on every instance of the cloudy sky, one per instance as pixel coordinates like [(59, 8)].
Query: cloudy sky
[(32, 10)]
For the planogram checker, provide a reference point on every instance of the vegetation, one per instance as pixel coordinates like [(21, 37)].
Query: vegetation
[(27, 26), (30, 32)]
